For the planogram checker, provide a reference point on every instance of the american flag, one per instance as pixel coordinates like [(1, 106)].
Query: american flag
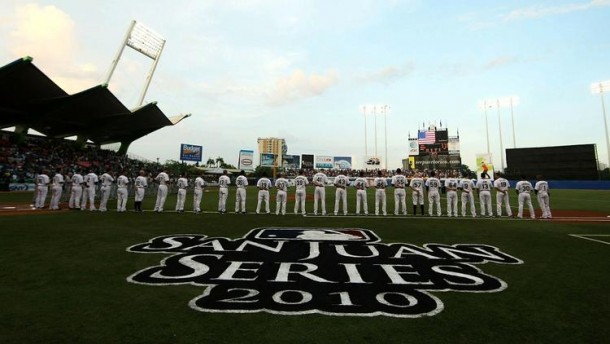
[(426, 137)]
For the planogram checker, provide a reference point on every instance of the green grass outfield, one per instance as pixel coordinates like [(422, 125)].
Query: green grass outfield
[(63, 277)]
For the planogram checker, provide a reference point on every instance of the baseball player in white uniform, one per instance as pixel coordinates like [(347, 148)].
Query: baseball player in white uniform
[(361, 184), (484, 186), (223, 192), (76, 191), (106, 179), (451, 185), (399, 181), (42, 188), (502, 185), (122, 194), (57, 185), (524, 188), (67, 189), (319, 180), (380, 183), (542, 192), (182, 183), (433, 185), (467, 187), (341, 182), (300, 182), (163, 179), (198, 194), (417, 192), (281, 197), (141, 183), (240, 195), (263, 185), (91, 181)]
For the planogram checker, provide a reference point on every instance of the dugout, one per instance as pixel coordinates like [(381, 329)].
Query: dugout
[(574, 162)]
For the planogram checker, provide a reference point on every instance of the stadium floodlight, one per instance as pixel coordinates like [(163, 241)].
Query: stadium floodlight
[(600, 88), (145, 41)]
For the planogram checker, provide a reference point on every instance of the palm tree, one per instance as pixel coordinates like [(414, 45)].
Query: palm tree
[(219, 161), (210, 162)]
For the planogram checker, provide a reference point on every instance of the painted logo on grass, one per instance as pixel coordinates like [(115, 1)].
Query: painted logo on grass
[(345, 271)]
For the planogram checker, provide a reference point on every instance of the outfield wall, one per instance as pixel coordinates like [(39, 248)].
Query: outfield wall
[(573, 184)]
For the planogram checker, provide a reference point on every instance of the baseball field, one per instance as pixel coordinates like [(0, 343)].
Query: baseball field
[(91, 277)]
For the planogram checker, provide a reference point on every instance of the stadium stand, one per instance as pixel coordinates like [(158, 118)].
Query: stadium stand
[(30, 99)]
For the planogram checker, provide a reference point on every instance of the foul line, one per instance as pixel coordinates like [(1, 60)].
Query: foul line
[(586, 237)]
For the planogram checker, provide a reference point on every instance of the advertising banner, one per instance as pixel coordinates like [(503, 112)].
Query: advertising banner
[(342, 162), (267, 159), (324, 161), (413, 147), (190, 152), (291, 161), (372, 161), (412, 163), (246, 160), (307, 161), (484, 166), (433, 162)]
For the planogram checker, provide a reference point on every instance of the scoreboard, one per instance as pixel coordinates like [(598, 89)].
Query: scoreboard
[(559, 162), (434, 149)]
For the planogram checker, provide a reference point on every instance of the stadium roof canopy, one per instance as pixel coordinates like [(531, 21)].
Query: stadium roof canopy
[(30, 99)]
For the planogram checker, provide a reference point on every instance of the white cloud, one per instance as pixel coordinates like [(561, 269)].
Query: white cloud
[(299, 85), (540, 11), (48, 34), (389, 74), (501, 61)]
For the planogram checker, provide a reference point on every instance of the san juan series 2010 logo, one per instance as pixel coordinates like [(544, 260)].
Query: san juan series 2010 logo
[(343, 272)]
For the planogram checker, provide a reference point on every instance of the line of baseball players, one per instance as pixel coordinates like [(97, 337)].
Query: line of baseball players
[(83, 191), (484, 186)]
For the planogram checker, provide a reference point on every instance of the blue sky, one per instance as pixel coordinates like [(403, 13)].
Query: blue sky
[(302, 69)]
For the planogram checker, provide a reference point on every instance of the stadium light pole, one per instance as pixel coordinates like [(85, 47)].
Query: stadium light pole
[(366, 153), (500, 131), (385, 109), (601, 87), (145, 41), (483, 104), (375, 116), (514, 100)]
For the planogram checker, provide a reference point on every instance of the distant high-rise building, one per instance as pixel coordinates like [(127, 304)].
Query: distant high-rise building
[(273, 145)]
